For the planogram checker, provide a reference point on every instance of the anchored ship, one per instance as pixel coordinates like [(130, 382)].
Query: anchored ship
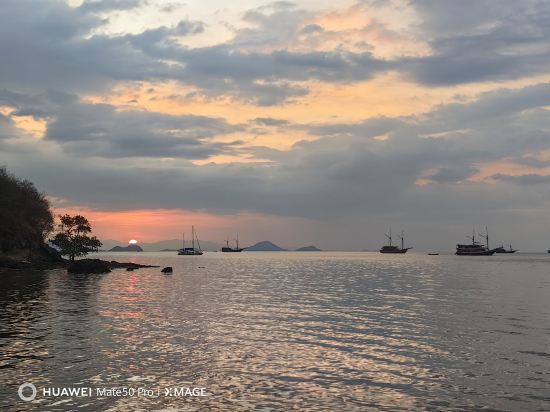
[(230, 249), (391, 248), (475, 248), (191, 251), (501, 249)]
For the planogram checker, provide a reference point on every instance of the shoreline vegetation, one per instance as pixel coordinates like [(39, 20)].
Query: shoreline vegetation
[(26, 223)]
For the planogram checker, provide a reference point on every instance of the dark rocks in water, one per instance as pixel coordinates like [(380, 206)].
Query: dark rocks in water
[(129, 248), (308, 249), (89, 266), (121, 265), (265, 246), (102, 266), (167, 269)]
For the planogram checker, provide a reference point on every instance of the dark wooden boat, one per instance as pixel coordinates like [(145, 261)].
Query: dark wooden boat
[(475, 248), (395, 249)]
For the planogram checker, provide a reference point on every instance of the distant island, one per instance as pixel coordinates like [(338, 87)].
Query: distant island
[(309, 249), (265, 246), (129, 248)]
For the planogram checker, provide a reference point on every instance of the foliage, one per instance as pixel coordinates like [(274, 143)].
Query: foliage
[(25, 217), (72, 238)]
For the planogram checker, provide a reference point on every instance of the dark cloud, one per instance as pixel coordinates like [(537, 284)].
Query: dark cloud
[(269, 121), (478, 40), (449, 174), (101, 130), (527, 179), (100, 6), (311, 28)]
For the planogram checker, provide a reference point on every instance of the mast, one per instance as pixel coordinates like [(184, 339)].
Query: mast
[(486, 236), (237, 240), (183, 238), (198, 243), (402, 240), (193, 236), (389, 237), (473, 237), (227, 243)]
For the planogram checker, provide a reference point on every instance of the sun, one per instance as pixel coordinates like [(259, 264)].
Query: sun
[(132, 242)]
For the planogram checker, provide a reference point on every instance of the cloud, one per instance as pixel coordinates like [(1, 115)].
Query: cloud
[(474, 41), (527, 179), (101, 6), (102, 130), (50, 46), (347, 170), (269, 121)]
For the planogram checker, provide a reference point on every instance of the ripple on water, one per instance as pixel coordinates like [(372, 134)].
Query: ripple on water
[(270, 331)]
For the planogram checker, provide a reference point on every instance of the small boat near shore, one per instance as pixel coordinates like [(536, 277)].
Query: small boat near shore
[(391, 248), (191, 251)]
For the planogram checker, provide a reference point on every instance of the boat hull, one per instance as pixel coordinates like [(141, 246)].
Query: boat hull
[(231, 250), (479, 253), (395, 252), (189, 252)]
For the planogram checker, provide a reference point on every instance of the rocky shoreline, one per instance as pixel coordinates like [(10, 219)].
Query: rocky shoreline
[(47, 258), (84, 266)]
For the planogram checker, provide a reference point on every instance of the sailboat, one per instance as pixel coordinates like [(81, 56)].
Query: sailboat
[(227, 248), (475, 249), (395, 249), (191, 251), (501, 249)]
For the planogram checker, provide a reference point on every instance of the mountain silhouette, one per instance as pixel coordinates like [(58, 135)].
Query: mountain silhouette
[(265, 246), (129, 248), (308, 249)]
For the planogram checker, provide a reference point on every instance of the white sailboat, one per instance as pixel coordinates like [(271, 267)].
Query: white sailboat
[(191, 251)]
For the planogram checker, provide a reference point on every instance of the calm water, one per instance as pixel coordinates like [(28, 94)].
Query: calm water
[(285, 331)]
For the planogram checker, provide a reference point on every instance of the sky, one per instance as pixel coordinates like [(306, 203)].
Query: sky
[(305, 122)]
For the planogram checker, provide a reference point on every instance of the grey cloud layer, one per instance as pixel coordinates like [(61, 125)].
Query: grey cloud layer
[(47, 45), (346, 171)]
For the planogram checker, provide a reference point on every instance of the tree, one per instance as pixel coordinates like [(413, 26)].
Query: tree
[(72, 237), (25, 217)]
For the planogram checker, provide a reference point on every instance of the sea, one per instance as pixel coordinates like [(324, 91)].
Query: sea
[(280, 331)]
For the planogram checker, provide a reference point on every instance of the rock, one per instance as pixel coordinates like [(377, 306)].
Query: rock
[(121, 265), (129, 248), (130, 269), (89, 266), (167, 269)]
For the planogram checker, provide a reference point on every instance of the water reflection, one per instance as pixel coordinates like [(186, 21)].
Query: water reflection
[(286, 331)]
